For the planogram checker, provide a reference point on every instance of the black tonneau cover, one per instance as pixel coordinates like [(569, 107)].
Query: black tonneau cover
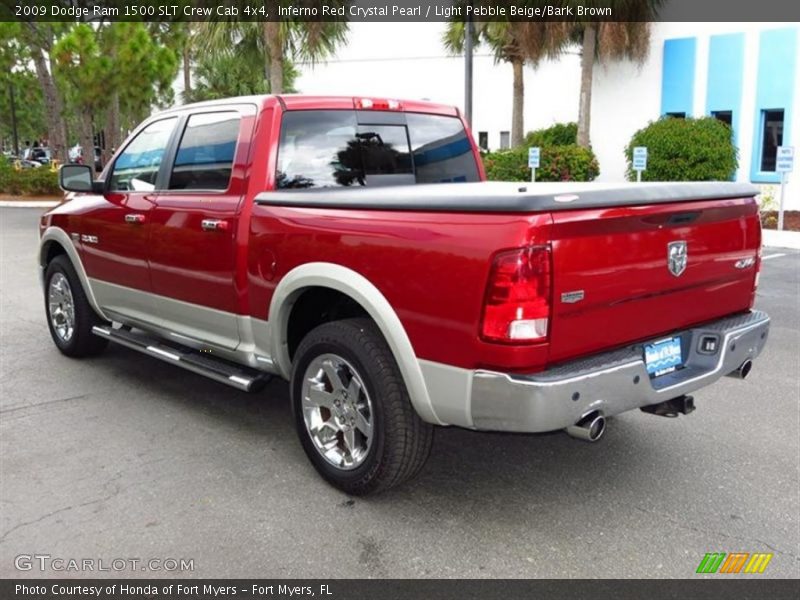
[(505, 197)]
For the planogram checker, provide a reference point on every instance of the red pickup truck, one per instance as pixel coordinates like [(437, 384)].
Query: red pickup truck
[(352, 247)]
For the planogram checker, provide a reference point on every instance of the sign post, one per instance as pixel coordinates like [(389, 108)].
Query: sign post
[(784, 163), (639, 161), (533, 161)]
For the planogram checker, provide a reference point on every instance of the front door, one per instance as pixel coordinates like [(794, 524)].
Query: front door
[(116, 226), (193, 230)]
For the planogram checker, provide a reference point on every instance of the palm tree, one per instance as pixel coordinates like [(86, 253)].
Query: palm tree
[(517, 43), (276, 41), (628, 38)]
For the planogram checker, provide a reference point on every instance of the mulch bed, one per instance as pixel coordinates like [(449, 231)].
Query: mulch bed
[(791, 220)]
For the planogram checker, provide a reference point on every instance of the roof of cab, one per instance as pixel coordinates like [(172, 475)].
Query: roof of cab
[(307, 102)]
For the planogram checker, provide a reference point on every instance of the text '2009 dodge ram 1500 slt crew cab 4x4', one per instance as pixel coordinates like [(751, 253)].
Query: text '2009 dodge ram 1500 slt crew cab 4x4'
[(352, 247)]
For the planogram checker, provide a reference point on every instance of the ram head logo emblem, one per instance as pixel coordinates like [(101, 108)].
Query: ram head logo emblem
[(677, 257)]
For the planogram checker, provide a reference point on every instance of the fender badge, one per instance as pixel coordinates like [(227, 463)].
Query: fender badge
[(572, 297)]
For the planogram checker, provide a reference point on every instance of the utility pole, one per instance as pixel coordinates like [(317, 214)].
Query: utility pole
[(13, 117), (468, 70)]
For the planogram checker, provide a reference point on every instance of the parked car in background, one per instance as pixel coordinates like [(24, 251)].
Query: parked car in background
[(39, 154), (351, 247), (76, 156)]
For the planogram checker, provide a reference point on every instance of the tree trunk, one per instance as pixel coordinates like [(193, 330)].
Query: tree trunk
[(56, 128), (112, 128), (274, 48), (187, 70), (87, 139), (518, 105), (587, 70)]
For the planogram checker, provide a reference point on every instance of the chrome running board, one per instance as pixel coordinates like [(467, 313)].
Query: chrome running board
[(238, 376)]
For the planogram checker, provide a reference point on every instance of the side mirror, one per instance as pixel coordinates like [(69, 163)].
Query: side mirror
[(78, 178)]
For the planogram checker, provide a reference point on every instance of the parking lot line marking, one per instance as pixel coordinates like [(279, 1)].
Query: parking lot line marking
[(772, 256)]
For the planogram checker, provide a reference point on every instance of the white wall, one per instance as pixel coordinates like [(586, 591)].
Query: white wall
[(407, 60)]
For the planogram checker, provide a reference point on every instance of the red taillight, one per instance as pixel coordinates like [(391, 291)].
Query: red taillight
[(517, 304), (377, 104)]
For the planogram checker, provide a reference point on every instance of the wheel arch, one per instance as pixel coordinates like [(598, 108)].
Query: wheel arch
[(55, 242), (374, 304)]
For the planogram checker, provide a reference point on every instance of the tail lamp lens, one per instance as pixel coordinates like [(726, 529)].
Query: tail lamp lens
[(517, 304)]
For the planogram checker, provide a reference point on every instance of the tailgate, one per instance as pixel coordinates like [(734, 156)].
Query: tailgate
[(631, 273)]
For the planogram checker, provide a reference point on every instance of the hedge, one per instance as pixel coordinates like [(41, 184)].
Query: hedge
[(685, 150), (38, 181), (560, 134), (556, 163)]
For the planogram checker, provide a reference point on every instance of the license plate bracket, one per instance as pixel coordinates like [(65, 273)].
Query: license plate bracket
[(663, 356)]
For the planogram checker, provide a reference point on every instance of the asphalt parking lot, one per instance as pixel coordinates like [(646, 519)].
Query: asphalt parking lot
[(123, 456)]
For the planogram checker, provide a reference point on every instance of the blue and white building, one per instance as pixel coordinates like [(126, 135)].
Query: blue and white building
[(746, 74)]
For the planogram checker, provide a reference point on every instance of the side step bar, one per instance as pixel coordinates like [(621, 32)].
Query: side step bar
[(218, 369)]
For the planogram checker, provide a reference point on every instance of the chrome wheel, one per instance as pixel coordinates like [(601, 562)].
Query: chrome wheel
[(337, 411), (61, 307)]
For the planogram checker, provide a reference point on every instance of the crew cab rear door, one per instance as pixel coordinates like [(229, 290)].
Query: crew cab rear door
[(193, 249)]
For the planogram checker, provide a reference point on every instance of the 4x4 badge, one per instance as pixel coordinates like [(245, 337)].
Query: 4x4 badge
[(677, 257)]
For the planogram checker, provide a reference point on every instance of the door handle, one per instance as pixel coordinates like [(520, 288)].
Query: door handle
[(214, 225), (134, 218)]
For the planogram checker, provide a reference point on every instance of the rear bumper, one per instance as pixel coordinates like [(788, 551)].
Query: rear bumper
[(613, 382)]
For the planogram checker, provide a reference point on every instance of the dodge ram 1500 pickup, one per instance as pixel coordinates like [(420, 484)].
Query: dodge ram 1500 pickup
[(352, 247)]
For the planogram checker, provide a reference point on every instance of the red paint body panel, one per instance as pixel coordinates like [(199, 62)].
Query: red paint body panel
[(432, 267), (619, 258), (122, 257), (192, 264)]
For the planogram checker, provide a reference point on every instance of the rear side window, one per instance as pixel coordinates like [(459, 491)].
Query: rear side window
[(441, 149), (331, 149), (319, 148), (205, 154)]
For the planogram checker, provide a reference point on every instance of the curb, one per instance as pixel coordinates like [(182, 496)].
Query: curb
[(28, 203), (772, 238)]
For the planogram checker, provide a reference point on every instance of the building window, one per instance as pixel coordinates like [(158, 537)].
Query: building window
[(483, 140), (726, 116), (771, 138), (505, 140), (676, 115)]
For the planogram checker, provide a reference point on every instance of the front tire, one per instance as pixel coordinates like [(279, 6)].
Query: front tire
[(70, 317), (352, 410)]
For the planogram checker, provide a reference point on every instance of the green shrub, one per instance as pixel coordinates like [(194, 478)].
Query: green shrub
[(685, 150), (560, 134), (40, 181), (556, 163)]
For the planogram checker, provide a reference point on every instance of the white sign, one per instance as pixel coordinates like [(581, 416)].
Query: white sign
[(533, 158), (640, 158), (784, 162)]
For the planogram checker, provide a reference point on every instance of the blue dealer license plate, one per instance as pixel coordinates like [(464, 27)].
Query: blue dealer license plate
[(663, 357)]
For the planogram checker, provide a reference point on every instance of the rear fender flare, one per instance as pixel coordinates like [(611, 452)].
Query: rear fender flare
[(362, 291)]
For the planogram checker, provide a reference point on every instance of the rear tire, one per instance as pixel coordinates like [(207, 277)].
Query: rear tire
[(70, 317), (352, 410)]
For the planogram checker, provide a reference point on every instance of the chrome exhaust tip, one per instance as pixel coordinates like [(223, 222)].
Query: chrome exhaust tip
[(589, 429), (743, 371)]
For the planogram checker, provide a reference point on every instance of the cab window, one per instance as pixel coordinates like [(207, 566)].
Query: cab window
[(205, 154), (136, 169), (441, 149)]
